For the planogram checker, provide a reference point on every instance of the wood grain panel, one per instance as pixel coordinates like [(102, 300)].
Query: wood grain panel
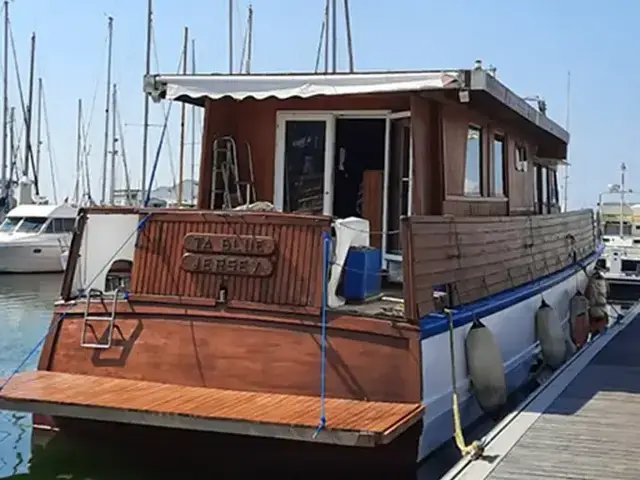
[(210, 403), (245, 352), (477, 257), (74, 255), (372, 188), (294, 285)]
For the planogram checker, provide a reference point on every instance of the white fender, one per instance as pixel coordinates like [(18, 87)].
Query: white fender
[(550, 335), (485, 367)]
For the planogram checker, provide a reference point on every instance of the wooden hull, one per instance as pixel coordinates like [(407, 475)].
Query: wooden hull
[(244, 381)]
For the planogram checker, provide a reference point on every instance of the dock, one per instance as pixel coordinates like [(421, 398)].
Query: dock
[(580, 425)]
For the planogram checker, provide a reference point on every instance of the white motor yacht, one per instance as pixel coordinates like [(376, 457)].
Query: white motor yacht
[(34, 234), (619, 226)]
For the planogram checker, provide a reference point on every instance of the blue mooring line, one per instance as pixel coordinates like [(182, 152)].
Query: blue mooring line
[(28, 356), (326, 252)]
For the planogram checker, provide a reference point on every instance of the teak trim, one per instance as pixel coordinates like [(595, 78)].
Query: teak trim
[(74, 254)]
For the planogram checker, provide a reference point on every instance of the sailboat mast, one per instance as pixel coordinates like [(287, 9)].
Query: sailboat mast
[(623, 169), (565, 191), (5, 100), (230, 37), (76, 192), (12, 142), (347, 20), (193, 127), (183, 110), (114, 144), (27, 143), (327, 24), (334, 36), (249, 39), (39, 128), (145, 130), (105, 150)]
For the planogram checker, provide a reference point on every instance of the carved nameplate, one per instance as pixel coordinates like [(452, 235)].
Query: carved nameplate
[(227, 265), (229, 244)]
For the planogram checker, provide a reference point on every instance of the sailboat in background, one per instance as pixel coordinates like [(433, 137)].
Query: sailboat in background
[(34, 233)]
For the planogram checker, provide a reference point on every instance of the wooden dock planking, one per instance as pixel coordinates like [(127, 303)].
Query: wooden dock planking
[(380, 421), (586, 426)]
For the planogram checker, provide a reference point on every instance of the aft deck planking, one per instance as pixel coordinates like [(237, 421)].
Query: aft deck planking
[(581, 425), (115, 399)]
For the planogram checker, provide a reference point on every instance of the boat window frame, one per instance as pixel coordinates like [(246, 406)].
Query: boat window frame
[(481, 168), (20, 219), (52, 222), (390, 117), (35, 232), (330, 117), (500, 136)]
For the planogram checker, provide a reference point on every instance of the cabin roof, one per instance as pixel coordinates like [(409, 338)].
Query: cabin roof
[(50, 211), (478, 82)]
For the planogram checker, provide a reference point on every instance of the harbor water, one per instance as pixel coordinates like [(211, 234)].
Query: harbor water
[(26, 304)]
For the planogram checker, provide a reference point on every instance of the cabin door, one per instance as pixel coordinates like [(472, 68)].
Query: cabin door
[(303, 180), (398, 180)]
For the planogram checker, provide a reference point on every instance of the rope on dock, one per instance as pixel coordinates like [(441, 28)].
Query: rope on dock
[(139, 227), (326, 252)]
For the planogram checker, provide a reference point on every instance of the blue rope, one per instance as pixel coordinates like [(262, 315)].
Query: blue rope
[(326, 252), (139, 228), (29, 355)]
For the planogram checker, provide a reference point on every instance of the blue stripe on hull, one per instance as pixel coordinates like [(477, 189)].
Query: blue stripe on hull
[(436, 323)]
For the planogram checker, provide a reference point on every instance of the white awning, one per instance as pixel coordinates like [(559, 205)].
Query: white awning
[(260, 87)]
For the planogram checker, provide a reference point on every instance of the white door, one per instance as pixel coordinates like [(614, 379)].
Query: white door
[(303, 180), (398, 181)]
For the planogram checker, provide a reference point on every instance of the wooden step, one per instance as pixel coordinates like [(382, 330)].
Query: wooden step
[(349, 422)]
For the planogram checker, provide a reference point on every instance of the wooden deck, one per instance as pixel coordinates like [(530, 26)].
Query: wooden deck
[(582, 425), (349, 422)]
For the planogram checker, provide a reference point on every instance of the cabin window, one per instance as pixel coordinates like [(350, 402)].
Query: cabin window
[(9, 224), (536, 188), (31, 225), (473, 164), (613, 228), (304, 160), (521, 159), (541, 189), (544, 184), (498, 166), (553, 188), (398, 203), (61, 225)]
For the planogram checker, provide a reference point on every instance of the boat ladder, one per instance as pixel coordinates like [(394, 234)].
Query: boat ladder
[(227, 172), (109, 318)]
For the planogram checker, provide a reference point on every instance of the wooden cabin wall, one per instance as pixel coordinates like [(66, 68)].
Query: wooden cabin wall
[(519, 185), (254, 121), (477, 257), (428, 173), (294, 284)]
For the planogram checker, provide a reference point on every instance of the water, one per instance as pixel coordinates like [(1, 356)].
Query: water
[(26, 303)]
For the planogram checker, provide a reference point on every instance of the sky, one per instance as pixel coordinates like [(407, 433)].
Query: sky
[(533, 44)]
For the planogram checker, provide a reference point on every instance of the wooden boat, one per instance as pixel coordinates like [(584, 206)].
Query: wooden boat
[(442, 184)]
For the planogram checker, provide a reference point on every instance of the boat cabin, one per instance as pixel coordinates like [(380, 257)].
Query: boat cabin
[(45, 219), (388, 163)]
